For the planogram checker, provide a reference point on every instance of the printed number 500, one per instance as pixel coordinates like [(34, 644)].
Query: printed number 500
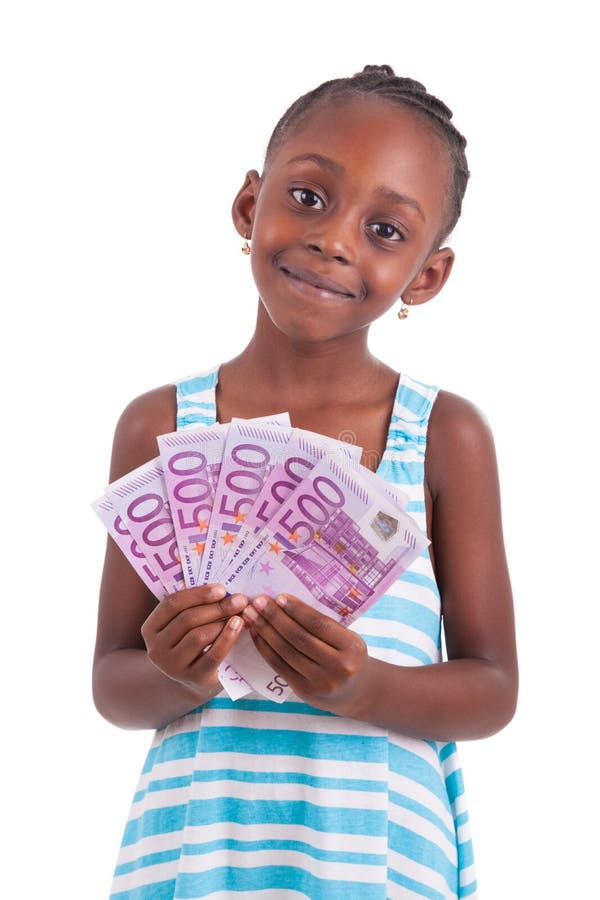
[(277, 685)]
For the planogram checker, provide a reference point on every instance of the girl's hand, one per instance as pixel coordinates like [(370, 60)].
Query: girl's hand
[(189, 634), (322, 661)]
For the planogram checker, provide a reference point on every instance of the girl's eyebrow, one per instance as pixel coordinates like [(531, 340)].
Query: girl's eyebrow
[(325, 162), (402, 199)]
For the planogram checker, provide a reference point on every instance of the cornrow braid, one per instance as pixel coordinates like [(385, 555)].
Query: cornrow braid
[(381, 81)]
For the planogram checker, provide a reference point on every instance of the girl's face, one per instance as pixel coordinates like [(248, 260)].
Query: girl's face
[(344, 219)]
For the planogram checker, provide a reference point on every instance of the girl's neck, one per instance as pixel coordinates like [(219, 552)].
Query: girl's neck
[(304, 372)]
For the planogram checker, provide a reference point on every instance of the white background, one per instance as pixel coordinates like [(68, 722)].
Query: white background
[(127, 130)]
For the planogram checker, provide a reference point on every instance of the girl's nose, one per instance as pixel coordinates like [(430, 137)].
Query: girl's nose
[(333, 242), (318, 248)]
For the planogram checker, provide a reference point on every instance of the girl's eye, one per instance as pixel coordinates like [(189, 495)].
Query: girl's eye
[(307, 197), (387, 231)]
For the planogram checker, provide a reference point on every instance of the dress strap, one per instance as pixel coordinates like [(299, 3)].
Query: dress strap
[(196, 403), (408, 425), (414, 399), (404, 456)]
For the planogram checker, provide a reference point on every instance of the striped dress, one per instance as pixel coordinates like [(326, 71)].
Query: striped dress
[(285, 801)]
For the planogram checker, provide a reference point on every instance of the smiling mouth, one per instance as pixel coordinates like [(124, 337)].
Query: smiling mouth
[(320, 282)]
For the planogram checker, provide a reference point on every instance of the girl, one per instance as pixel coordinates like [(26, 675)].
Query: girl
[(351, 789)]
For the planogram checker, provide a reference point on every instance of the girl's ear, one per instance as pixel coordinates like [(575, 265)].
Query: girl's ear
[(242, 211), (432, 277)]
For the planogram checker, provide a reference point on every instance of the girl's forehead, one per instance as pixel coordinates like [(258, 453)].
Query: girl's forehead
[(343, 118), (372, 138)]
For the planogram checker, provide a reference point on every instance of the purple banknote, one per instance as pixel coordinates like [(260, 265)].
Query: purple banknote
[(141, 500), (115, 526), (191, 463), (337, 542), (250, 453)]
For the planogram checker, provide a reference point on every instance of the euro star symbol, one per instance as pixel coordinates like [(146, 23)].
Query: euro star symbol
[(317, 535), (354, 593), (266, 567), (199, 548), (228, 538), (240, 517), (275, 547), (294, 536), (203, 524), (353, 568), (339, 547)]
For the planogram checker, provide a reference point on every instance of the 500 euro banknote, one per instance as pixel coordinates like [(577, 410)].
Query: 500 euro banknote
[(302, 452), (251, 451), (112, 521), (337, 543), (140, 498), (305, 449), (134, 491), (191, 462)]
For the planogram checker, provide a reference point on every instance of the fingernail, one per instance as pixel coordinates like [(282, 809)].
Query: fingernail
[(281, 600), (259, 602), (250, 615), (216, 592), (238, 601), (235, 624)]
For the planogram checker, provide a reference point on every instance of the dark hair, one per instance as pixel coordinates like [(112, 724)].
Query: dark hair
[(381, 81)]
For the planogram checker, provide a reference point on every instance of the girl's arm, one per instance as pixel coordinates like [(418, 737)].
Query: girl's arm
[(474, 693), (150, 680)]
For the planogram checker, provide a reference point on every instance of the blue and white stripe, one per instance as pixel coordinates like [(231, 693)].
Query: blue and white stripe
[(254, 798)]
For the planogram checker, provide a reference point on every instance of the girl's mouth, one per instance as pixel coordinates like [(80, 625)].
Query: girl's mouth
[(314, 283)]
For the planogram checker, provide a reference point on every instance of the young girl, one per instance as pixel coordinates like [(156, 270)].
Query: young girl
[(351, 789)]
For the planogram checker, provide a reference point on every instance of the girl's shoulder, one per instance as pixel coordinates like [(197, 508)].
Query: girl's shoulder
[(459, 441), (147, 416)]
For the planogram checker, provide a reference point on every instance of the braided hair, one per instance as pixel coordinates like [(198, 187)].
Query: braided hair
[(381, 81)]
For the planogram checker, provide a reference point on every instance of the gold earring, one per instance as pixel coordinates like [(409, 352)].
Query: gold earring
[(246, 245), (403, 311)]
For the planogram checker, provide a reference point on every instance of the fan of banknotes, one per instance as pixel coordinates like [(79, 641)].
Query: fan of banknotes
[(263, 508)]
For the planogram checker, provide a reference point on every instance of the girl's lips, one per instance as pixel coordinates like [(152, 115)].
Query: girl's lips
[(314, 280)]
